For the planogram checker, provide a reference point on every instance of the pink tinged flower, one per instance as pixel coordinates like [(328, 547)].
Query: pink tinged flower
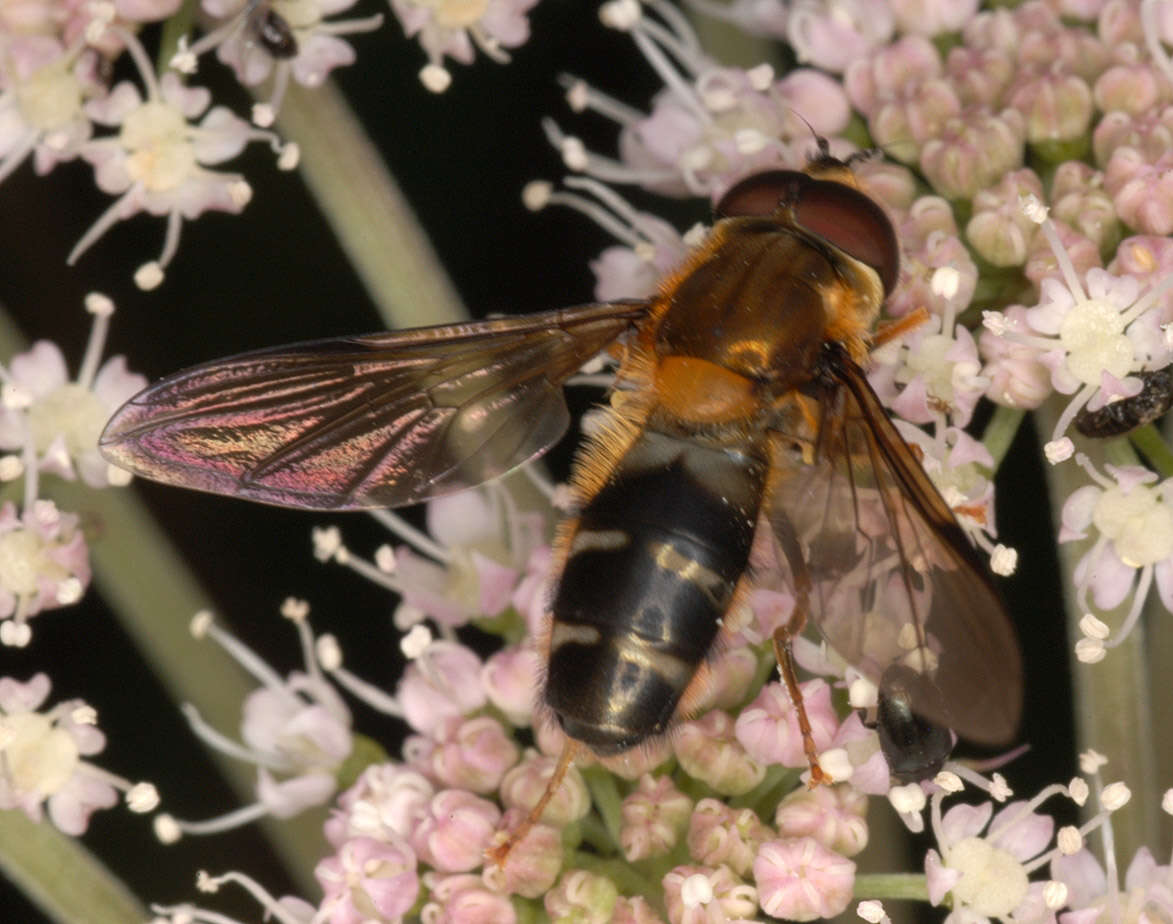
[(1055, 106), (768, 727), (1149, 132), (473, 753), (453, 836), (986, 875), (464, 899), (979, 75), (870, 774), (42, 89), (929, 241), (1091, 895), (655, 817), (634, 911), (435, 686), (585, 898), (1133, 517), (832, 37), (1017, 378), (42, 752), (534, 862), (525, 784), (941, 372), (315, 48), (387, 801), (455, 29), (157, 163), (835, 816), (932, 17), (510, 679), (485, 544), (649, 247), (1141, 190), (901, 90), (972, 151), (999, 230), (800, 880), (44, 564), (708, 751), (368, 879), (701, 895), (722, 836), (63, 418), (1079, 200)]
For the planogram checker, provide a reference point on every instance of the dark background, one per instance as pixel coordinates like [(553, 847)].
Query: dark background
[(273, 275)]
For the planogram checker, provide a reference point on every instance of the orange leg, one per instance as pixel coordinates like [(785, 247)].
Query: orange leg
[(784, 533), (499, 854)]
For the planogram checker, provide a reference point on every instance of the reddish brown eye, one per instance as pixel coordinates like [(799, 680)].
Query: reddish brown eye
[(760, 195), (854, 223), (839, 214)]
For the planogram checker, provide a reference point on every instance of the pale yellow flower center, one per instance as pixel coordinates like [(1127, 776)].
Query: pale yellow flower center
[(993, 883), (1092, 333), (1138, 523), (71, 411), (161, 157), (39, 758), (50, 98)]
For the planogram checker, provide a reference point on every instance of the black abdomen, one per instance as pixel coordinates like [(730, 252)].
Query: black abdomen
[(652, 567)]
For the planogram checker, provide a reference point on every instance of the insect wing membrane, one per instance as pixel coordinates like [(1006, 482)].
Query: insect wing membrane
[(360, 422), (892, 578)]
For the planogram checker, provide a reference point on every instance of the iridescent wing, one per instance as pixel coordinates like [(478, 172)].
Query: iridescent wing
[(887, 573), (360, 422)]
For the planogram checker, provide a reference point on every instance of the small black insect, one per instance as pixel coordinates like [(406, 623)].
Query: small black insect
[(1154, 400), (273, 32)]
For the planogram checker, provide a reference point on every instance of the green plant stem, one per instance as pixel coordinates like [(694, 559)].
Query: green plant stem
[(606, 798), (891, 886), (58, 875), (1149, 443), (1113, 699), (372, 220)]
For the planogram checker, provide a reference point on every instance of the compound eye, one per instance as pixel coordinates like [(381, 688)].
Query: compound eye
[(762, 194), (853, 222)]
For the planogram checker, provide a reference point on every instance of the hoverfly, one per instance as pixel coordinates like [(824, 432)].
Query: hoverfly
[(741, 413)]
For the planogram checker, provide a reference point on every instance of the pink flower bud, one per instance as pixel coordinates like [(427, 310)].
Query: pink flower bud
[(473, 754), (388, 799), (768, 727), (721, 836), (457, 829), (436, 686), (634, 911), (464, 899), (533, 863), (800, 880), (1141, 190), (708, 751), (654, 818), (583, 897), (524, 784), (835, 816), (972, 151), (510, 679), (368, 877), (700, 895)]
